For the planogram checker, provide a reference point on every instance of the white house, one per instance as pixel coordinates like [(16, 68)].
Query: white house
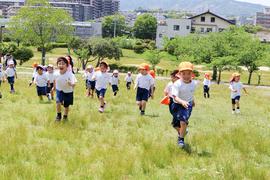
[(209, 22), (171, 28)]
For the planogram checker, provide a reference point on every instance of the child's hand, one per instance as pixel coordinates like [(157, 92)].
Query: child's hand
[(185, 104), (69, 83)]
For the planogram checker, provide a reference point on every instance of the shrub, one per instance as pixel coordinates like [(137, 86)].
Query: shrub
[(23, 54)]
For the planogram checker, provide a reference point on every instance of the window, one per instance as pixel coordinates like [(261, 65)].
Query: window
[(209, 30), (176, 27), (160, 35), (220, 29), (213, 19), (171, 38), (202, 30), (193, 29), (202, 19), (188, 27)]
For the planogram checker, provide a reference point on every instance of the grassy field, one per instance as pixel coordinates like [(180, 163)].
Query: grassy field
[(120, 144)]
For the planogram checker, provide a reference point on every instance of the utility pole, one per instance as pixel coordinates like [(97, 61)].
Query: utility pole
[(114, 28), (1, 33)]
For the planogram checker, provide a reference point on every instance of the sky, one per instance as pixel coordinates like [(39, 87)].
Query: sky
[(263, 2)]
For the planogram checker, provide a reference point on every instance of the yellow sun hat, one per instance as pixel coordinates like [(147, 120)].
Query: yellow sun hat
[(183, 66)]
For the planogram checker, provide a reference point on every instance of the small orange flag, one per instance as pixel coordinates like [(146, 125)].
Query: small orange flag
[(165, 100)]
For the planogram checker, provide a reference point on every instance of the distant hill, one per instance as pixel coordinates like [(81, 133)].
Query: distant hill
[(222, 7)]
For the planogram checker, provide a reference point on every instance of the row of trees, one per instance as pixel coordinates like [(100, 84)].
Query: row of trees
[(222, 51)]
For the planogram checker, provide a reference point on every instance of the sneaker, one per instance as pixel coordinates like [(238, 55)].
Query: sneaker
[(1, 95), (186, 131), (181, 143), (233, 112), (58, 118), (101, 110), (237, 111), (65, 118), (49, 97), (142, 113)]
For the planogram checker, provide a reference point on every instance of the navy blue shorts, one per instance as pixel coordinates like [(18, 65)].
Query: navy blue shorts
[(101, 93), (115, 88), (180, 114), (237, 98), (142, 94), (205, 89), (11, 80), (128, 84), (170, 106), (64, 98), (91, 84), (49, 89), (42, 91)]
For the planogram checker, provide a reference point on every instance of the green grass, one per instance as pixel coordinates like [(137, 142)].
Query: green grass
[(120, 144)]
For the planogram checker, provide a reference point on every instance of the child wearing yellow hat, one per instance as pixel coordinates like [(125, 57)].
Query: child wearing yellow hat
[(143, 83), (236, 86), (183, 97), (206, 85)]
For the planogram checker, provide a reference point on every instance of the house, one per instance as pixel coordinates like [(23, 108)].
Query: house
[(263, 18), (209, 22), (171, 28), (264, 35)]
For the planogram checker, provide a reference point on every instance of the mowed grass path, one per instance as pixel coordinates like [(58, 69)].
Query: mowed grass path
[(120, 144)]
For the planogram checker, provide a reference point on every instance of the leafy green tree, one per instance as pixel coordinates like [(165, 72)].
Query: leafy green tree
[(114, 25), (7, 48), (145, 27), (39, 24), (96, 49), (23, 54), (153, 57)]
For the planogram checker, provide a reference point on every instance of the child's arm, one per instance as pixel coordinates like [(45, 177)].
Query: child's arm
[(152, 90), (245, 90), (231, 88)]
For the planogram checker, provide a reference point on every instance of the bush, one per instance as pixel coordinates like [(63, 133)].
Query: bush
[(125, 43), (23, 54), (59, 45), (196, 73)]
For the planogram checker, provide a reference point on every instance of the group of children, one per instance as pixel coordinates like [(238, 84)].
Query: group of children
[(179, 92)]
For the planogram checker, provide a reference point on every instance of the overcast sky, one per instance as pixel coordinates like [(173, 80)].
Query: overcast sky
[(264, 2)]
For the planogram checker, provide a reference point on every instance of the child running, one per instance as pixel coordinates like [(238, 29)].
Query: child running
[(41, 81), (206, 85), (51, 76), (114, 81), (168, 89), (90, 83), (183, 92), (143, 83), (128, 80), (236, 86), (153, 74), (102, 79), (34, 66), (64, 84), (11, 75)]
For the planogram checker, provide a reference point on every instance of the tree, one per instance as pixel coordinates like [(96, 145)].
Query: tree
[(251, 56), (96, 49), (153, 57), (113, 26), (145, 27), (7, 48), (39, 24), (23, 54)]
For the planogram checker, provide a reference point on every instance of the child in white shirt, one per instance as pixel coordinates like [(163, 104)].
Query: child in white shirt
[(128, 80), (183, 97), (1, 77), (34, 66), (236, 86), (102, 79), (90, 83), (206, 85), (64, 84), (114, 81), (11, 75), (143, 83), (51, 76), (41, 81)]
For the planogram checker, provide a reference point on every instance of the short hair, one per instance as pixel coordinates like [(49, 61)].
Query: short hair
[(62, 59), (174, 72), (39, 67)]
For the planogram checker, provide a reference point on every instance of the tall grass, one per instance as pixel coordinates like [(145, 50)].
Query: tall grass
[(120, 144)]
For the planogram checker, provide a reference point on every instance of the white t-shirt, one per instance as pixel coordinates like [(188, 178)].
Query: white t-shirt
[(128, 78), (1, 74), (144, 81), (168, 89), (102, 80), (183, 90), (88, 76), (62, 80), (41, 80), (51, 76), (114, 80), (238, 86), (10, 72), (206, 82)]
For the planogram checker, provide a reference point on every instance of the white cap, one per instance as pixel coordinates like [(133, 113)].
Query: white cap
[(129, 72), (50, 65), (89, 67), (115, 72)]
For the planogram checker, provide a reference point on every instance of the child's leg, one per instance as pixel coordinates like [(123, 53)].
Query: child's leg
[(40, 98), (183, 127), (208, 94), (237, 104), (66, 111), (52, 94), (102, 102), (59, 114), (143, 105)]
